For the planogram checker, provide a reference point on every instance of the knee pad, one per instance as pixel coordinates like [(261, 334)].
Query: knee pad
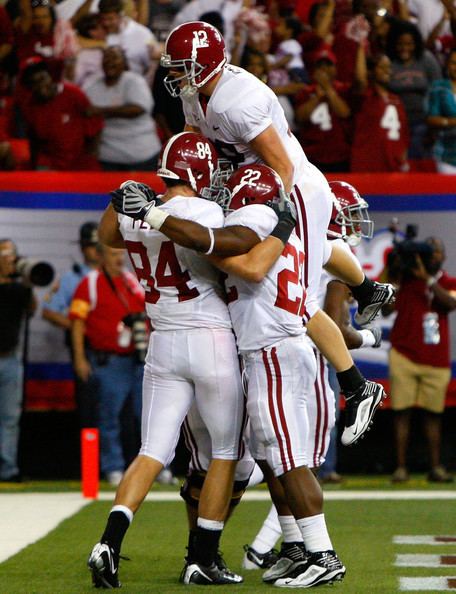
[(191, 488)]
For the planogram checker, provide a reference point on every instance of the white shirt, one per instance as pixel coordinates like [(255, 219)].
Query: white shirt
[(126, 140), (135, 39), (181, 286), (428, 14), (240, 108), (290, 47), (267, 312)]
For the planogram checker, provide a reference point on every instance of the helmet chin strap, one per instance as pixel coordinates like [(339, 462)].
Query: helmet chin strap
[(188, 91), (353, 240)]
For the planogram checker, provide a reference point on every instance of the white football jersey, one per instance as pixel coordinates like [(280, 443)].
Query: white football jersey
[(182, 287), (267, 312), (240, 108)]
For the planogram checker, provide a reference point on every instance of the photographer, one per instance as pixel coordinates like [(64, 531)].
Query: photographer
[(108, 347), (16, 302), (420, 353)]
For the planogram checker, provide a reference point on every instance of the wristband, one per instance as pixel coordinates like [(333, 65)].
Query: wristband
[(367, 337), (282, 231), (155, 217), (212, 238)]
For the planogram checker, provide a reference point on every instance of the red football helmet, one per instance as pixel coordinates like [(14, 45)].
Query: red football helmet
[(251, 184), (350, 217), (189, 157), (196, 48)]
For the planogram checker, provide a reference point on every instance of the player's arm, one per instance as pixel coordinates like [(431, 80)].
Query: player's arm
[(108, 229), (269, 147), (255, 264), (336, 306)]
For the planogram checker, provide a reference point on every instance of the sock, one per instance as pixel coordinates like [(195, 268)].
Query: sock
[(315, 534), (363, 290), (207, 541), (269, 533), (290, 529), (117, 526), (350, 379), (191, 545)]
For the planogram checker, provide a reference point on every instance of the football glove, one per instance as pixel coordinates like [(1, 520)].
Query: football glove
[(286, 213), (134, 199)]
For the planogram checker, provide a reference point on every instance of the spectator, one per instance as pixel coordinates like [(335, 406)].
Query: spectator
[(289, 50), (6, 36), (318, 35), (168, 112), (129, 139), (428, 13), (413, 71), (16, 302), (103, 349), (56, 309), (90, 56), (420, 353), (137, 41), (63, 133), (442, 117), (161, 15), (381, 138), (40, 33), (322, 111)]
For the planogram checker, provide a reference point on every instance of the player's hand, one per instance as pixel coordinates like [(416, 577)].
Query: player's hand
[(134, 199), (284, 208), (286, 213)]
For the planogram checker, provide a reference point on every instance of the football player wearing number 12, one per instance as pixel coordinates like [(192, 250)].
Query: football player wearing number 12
[(244, 119), (192, 355)]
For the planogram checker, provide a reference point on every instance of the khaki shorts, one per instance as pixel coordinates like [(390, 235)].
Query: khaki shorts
[(413, 384)]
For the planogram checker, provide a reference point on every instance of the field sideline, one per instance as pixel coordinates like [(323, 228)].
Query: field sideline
[(362, 525)]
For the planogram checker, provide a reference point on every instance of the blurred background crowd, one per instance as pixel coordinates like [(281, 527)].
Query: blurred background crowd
[(367, 85)]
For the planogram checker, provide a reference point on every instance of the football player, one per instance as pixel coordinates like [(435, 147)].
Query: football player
[(350, 222), (243, 117), (192, 355)]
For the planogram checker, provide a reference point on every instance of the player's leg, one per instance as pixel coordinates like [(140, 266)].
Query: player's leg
[(216, 375), (279, 420), (166, 400)]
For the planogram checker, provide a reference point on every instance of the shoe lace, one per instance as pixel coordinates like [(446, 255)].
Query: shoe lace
[(293, 551), (330, 560)]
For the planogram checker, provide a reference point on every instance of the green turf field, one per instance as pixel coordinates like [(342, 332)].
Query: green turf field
[(362, 534)]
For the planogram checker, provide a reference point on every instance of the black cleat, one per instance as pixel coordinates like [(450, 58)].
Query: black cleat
[(360, 407), (290, 556), (254, 560), (323, 567), (104, 567), (369, 308), (195, 573)]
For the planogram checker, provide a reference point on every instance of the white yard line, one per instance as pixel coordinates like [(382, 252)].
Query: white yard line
[(417, 560), (27, 517), (425, 539), (427, 583)]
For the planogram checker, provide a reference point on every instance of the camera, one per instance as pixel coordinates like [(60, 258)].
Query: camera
[(139, 333), (34, 272), (402, 260)]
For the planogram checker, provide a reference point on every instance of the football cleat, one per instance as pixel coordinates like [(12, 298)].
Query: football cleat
[(368, 309), (323, 567), (290, 556), (360, 407), (254, 560), (195, 573), (104, 567)]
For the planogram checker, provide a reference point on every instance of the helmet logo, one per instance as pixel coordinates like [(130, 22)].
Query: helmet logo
[(200, 39)]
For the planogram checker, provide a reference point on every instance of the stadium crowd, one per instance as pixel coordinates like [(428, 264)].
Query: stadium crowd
[(81, 83)]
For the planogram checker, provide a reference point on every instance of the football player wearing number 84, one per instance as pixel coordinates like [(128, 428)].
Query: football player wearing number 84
[(243, 118), (192, 355)]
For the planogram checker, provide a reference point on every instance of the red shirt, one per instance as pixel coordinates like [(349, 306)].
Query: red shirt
[(61, 128), (412, 302), (103, 309), (324, 137), (381, 134)]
